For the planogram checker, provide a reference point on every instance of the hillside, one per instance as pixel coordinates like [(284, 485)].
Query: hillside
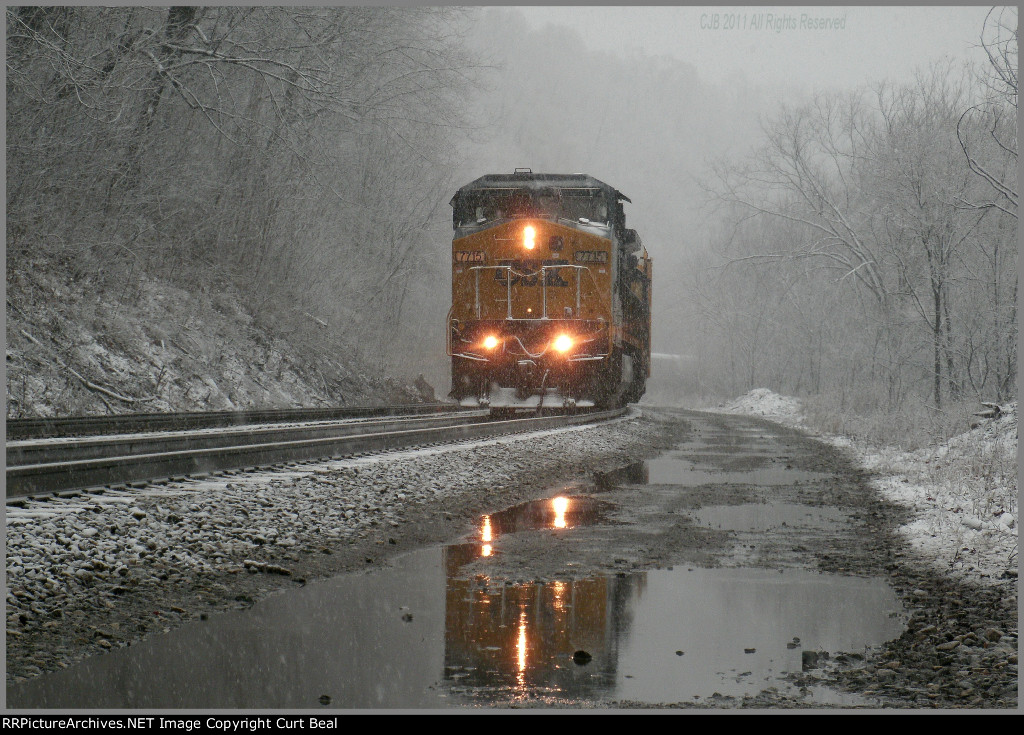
[(77, 347)]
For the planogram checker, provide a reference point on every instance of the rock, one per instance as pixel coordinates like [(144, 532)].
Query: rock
[(947, 646), (993, 635), (581, 658), (137, 513), (973, 523), (809, 660), (324, 700)]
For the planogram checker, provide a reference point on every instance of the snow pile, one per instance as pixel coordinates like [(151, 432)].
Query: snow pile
[(996, 435), (763, 402)]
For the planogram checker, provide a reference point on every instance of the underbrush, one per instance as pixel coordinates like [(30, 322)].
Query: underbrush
[(961, 470), (912, 426)]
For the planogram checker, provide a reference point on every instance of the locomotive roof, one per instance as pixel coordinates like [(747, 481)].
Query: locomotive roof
[(530, 180)]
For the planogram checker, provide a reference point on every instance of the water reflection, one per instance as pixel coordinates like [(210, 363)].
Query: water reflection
[(560, 512), (560, 506), (732, 628), (426, 633), (515, 639), (486, 536)]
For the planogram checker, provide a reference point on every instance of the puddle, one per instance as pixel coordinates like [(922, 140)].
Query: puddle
[(716, 616), (562, 511), (675, 471), (632, 474), (751, 517), (423, 635), (670, 470), (559, 512)]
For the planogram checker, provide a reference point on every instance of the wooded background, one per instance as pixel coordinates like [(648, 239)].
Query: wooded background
[(303, 155), (868, 248)]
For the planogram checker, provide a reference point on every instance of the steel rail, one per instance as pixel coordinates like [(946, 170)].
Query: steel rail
[(38, 428), (42, 451), (119, 468)]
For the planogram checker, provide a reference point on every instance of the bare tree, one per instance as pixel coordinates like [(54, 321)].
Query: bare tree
[(295, 151), (870, 188), (987, 130)]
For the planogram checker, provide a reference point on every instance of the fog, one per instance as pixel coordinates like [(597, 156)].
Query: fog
[(745, 45)]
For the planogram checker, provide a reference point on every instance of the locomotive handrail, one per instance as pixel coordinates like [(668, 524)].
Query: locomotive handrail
[(526, 274)]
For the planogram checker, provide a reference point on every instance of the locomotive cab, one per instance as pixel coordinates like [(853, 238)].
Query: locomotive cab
[(550, 302)]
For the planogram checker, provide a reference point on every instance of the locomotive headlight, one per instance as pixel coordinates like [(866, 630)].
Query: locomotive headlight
[(529, 233), (563, 343), (490, 341)]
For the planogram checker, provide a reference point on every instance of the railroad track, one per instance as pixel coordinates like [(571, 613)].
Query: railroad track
[(37, 467), (39, 428)]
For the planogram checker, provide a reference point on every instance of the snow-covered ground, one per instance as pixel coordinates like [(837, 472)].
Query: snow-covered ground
[(963, 492)]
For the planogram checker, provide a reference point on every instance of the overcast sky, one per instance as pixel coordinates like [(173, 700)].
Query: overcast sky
[(861, 44)]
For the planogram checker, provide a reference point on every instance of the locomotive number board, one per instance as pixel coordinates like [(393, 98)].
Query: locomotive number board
[(469, 256), (591, 256)]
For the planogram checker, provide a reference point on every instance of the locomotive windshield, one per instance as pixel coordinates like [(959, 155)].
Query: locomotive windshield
[(487, 205)]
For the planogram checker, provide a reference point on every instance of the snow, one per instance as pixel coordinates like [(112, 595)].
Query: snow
[(763, 402), (963, 492), (164, 348)]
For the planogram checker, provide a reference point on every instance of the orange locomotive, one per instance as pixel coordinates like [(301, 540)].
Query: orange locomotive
[(551, 294)]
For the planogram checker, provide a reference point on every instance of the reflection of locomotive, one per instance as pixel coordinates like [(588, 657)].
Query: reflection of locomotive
[(551, 294)]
